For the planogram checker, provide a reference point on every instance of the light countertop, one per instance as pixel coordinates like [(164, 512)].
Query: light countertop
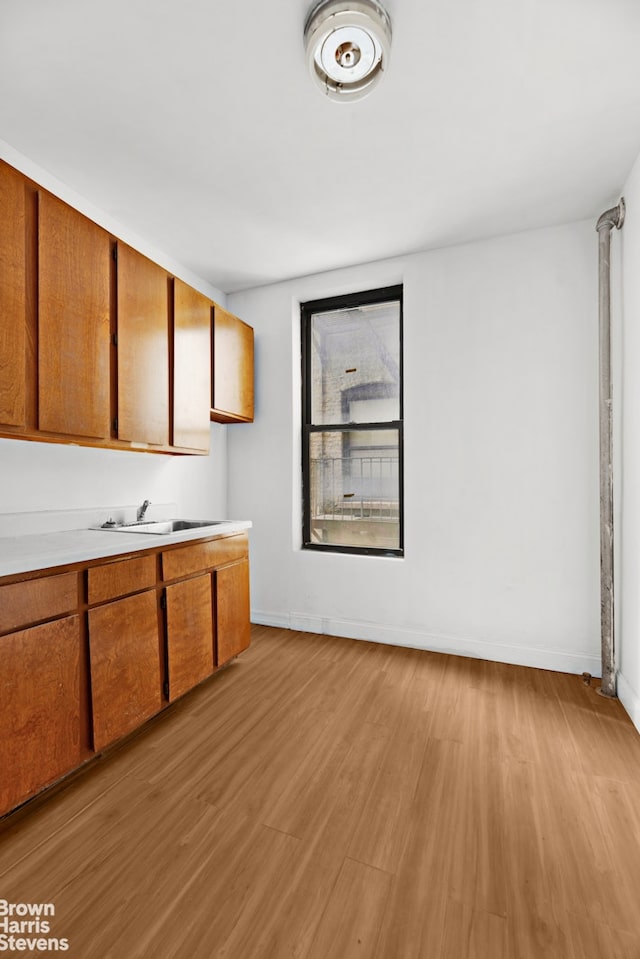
[(35, 551)]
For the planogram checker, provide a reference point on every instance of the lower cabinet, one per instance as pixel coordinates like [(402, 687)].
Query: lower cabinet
[(227, 561), (91, 652), (124, 651), (233, 629), (40, 712), (189, 634)]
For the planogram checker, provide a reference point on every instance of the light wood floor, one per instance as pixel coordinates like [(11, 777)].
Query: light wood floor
[(331, 799)]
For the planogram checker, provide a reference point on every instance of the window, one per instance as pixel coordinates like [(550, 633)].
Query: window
[(352, 423)]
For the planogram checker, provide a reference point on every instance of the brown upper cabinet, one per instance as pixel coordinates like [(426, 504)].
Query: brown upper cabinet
[(232, 399), (13, 297), (74, 276), (100, 345), (143, 349), (191, 368)]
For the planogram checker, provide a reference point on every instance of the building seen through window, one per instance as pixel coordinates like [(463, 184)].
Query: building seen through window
[(352, 422)]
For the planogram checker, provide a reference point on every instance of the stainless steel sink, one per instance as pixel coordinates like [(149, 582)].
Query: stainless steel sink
[(160, 527)]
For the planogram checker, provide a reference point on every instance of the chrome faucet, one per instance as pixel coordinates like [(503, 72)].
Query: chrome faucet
[(142, 510)]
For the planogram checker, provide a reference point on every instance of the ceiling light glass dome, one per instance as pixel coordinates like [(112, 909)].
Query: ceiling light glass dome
[(347, 43)]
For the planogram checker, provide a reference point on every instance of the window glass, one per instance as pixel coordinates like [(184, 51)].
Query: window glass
[(355, 364), (352, 423), (354, 483)]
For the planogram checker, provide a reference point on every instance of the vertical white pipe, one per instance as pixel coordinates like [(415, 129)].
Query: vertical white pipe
[(610, 219)]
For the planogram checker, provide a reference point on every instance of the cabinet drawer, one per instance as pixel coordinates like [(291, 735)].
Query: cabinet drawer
[(120, 578), (192, 559), (22, 604)]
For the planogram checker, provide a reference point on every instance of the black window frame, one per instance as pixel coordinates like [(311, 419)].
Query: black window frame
[(307, 310)]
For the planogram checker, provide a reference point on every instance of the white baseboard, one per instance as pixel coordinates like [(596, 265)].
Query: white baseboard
[(629, 699), (538, 657), (261, 618)]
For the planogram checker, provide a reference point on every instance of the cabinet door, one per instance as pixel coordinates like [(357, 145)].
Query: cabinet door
[(74, 277), (125, 666), (191, 368), (189, 633), (40, 714), (232, 368), (143, 349), (233, 628), (12, 297)]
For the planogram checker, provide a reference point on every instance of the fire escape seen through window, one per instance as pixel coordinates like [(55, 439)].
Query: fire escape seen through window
[(352, 423)]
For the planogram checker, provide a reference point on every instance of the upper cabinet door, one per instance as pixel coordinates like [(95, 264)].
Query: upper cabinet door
[(12, 297), (73, 322), (232, 368), (191, 368), (143, 349)]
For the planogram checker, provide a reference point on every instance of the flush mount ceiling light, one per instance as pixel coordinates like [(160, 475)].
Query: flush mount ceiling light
[(347, 43)]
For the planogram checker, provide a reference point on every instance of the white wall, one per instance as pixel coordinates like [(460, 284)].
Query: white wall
[(628, 531), (49, 476), (44, 476), (501, 460), (119, 230)]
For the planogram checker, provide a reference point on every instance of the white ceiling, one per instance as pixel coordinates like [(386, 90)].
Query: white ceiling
[(195, 124)]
